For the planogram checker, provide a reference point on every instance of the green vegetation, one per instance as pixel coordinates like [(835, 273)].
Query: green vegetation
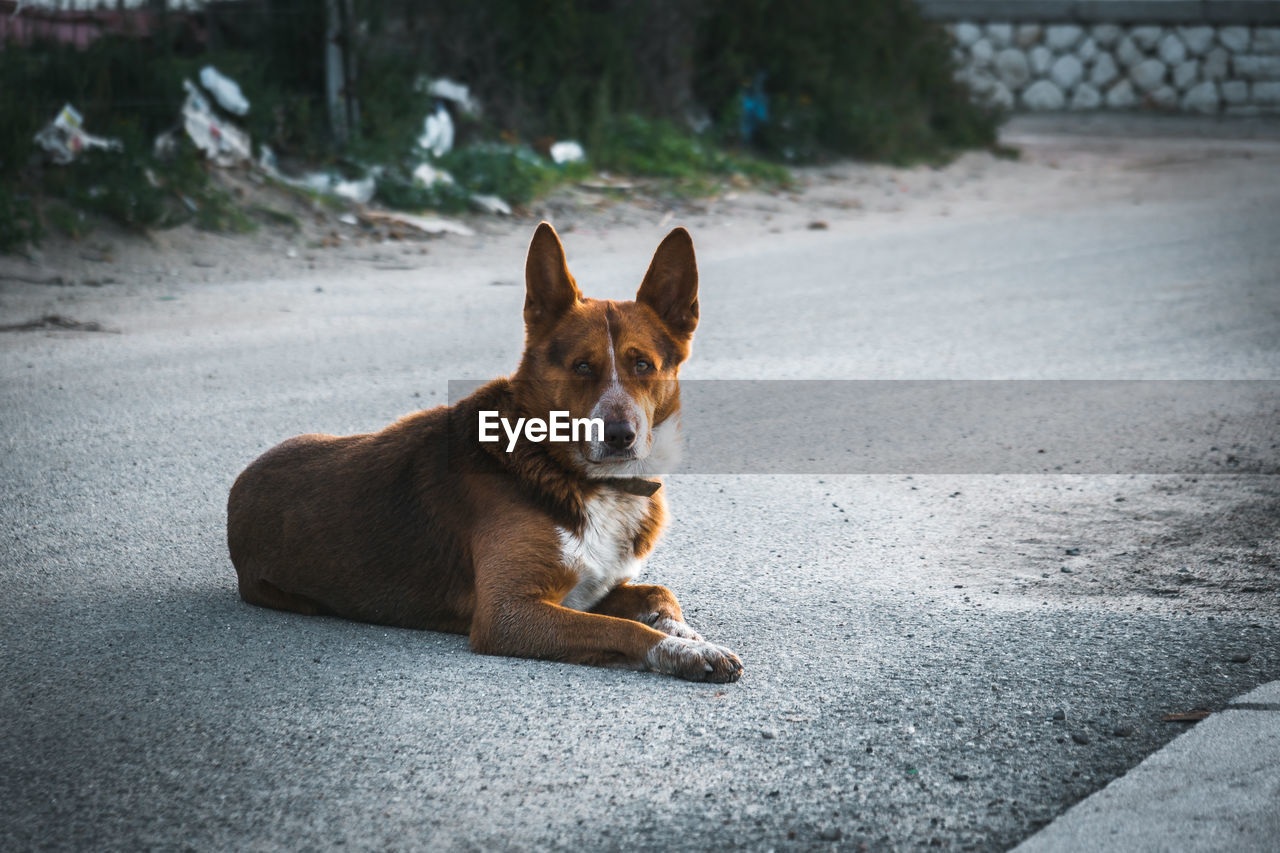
[(512, 172), (625, 77), (633, 145), (19, 222), (121, 98), (868, 80)]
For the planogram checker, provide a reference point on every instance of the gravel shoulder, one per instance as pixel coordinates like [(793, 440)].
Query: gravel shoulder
[(1063, 163)]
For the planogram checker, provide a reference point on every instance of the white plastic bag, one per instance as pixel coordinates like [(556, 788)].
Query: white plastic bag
[(221, 141), (450, 90), (224, 90), (428, 175), (567, 151), (64, 137), (437, 132)]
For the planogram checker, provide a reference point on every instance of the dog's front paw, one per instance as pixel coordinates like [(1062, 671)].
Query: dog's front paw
[(694, 660), (675, 628)]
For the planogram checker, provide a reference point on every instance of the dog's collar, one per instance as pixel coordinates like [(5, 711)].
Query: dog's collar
[(638, 486)]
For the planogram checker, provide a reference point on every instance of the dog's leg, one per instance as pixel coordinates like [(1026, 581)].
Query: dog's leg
[(519, 582), (655, 606), (516, 615), (539, 629)]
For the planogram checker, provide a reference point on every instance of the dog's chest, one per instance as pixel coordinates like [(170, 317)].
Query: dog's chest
[(603, 555)]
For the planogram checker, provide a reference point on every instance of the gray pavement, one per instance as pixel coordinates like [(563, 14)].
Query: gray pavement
[(931, 660), (1216, 787)]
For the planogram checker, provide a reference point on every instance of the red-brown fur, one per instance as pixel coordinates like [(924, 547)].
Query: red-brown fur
[(423, 526)]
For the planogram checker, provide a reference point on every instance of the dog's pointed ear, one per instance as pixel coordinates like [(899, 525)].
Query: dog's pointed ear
[(549, 289), (670, 287)]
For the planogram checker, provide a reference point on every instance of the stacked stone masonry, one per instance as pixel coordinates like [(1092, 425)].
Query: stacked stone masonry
[(1233, 70)]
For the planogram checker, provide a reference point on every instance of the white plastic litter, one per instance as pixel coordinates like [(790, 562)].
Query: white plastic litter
[(267, 162), (221, 141), (166, 144), (491, 204), (427, 225), (64, 137), (359, 191), (567, 151), (450, 90), (437, 132), (428, 175), (224, 90), (322, 182)]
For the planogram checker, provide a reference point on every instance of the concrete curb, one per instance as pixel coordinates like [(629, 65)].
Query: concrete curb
[(1215, 787)]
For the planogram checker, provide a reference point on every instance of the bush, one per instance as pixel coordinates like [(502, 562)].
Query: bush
[(869, 80), (656, 148), (19, 224), (625, 77), (513, 172), (130, 90), (397, 189)]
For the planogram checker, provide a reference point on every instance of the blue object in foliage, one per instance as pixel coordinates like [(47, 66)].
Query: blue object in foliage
[(755, 107)]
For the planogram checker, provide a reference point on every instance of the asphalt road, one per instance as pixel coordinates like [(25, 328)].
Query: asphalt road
[(926, 661)]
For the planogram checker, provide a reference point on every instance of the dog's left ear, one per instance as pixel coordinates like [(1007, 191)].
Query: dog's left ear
[(670, 287)]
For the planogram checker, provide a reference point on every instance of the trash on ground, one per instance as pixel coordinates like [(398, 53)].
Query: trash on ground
[(450, 90), (348, 219), (491, 204), (166, 145), (427, 225), (221, 141), (429, 175), (359, 191), (437, 132), (567, 151), (224, 90), (607, 186), (328, 183), (65, 137), (1185, 716)]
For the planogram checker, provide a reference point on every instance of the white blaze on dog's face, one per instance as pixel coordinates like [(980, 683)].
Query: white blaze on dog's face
[(616, 361)]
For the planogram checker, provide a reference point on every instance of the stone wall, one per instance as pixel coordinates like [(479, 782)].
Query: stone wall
[(1205, 56), (1231, 69)]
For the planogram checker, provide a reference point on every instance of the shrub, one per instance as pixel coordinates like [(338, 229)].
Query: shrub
[(868, 79)]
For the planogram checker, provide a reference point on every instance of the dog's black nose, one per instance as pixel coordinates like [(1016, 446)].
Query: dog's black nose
[(619, 435)]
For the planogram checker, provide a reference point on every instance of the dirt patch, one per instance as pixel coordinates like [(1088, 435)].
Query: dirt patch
[(1193, 545), (54, 322)]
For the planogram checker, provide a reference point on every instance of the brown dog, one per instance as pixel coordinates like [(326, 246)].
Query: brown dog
[(526, 545)]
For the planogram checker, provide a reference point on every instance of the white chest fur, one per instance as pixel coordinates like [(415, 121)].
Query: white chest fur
[(602, 556)]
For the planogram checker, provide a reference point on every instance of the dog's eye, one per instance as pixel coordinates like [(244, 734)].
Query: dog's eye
[(582, 368), (643, 366)]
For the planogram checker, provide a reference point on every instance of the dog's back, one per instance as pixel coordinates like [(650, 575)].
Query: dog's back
[(365, 527)]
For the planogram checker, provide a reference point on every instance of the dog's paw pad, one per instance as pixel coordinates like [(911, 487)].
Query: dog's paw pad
[(695, 660), (676, 628)]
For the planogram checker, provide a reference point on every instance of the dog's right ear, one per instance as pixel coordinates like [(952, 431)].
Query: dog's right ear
[(549, 289)]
